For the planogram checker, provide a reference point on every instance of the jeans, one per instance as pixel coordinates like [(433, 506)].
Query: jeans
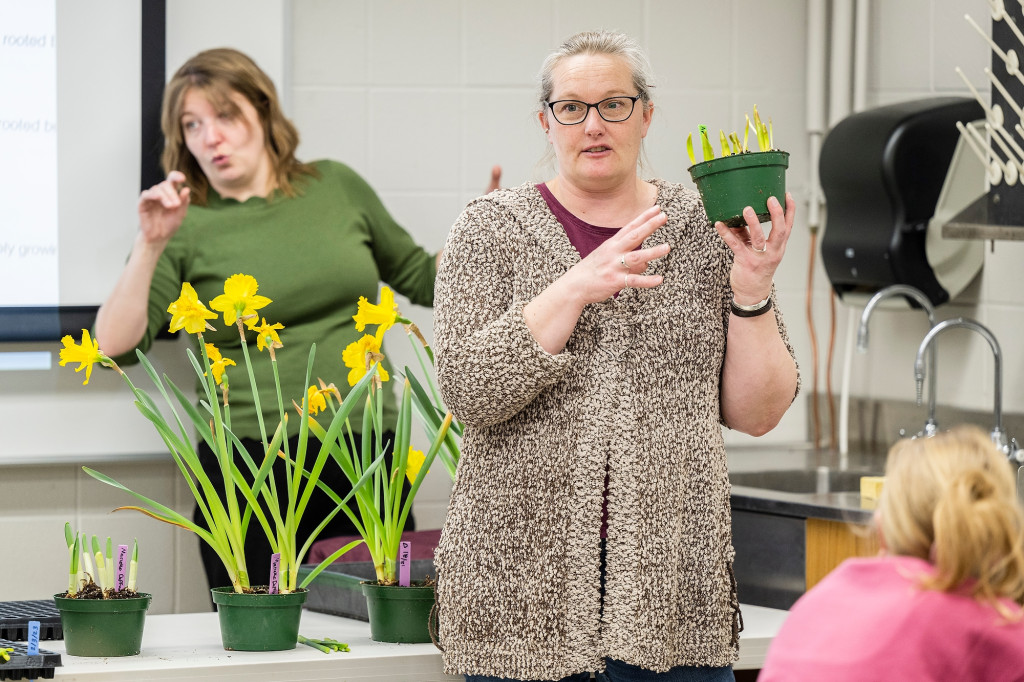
[(617, 671)]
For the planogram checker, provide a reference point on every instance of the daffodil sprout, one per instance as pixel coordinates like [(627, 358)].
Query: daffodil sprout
[(72, 541), (133, 566), (730, 143)]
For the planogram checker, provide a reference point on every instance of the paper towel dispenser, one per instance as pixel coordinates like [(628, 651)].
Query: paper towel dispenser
[(882, 172)]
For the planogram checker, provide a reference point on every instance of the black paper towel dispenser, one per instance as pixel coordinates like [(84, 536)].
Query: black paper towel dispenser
[(882, 171)]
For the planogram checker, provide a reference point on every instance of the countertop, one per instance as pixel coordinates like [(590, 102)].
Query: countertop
[(187, 646), (834, 506)]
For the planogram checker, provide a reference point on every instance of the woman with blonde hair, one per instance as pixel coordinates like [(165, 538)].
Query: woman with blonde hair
[(942, 600)]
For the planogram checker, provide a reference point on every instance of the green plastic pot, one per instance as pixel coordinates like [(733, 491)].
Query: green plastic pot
[(729, 184), (103, 627), (399, 614), (258, 622)]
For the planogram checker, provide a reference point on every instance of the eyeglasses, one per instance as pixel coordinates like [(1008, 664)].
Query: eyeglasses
[(569, 112)]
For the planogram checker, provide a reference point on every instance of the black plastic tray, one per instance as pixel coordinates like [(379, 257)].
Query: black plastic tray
[(336, 590), (25, 667), (15, 615)]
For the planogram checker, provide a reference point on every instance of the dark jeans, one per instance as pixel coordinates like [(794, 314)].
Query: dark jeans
[(257, 547), (617, 671)]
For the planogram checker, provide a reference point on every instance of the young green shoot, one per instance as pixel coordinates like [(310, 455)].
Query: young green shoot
[(101, 567), (705, 143), (133, 567), (730, 143), (72, 541)]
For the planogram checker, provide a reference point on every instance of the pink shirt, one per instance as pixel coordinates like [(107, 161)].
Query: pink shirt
[(868, 620)]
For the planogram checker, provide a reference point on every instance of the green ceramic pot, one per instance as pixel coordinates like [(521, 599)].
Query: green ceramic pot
[(258, 622), (731, 183), (103, 627), (398, 614)]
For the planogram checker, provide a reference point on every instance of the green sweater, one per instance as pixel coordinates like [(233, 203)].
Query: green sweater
[(314, 256)]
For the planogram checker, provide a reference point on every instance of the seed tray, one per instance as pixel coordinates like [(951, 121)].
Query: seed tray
[(337, 591), (25, 667), (15, 615)]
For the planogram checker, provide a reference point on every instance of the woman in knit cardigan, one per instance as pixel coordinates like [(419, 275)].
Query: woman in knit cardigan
[(594, 333)]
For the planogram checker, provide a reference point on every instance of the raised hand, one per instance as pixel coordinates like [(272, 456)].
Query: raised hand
[(615, 265), (495, 182), (162, 208)]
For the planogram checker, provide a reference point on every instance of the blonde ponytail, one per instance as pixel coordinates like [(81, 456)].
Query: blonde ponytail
[(951, 499)]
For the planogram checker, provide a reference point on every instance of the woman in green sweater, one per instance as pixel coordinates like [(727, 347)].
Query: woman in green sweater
[(236, 200)]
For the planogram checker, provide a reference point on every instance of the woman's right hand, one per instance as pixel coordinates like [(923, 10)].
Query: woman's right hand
[(618, 264), (162, 209), (611, 267)]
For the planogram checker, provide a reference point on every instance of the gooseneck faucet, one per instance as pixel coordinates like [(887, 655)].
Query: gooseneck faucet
[(998, 435), (930, 426)]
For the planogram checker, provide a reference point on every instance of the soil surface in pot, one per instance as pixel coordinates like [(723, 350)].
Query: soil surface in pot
[(94, 591)]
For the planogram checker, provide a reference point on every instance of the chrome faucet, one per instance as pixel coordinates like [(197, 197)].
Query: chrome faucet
[(998, 435), (930, 426)]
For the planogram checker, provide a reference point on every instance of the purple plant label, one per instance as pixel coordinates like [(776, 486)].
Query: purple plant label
[(275, 573), (33, 638), (122, 568), (404, 552)]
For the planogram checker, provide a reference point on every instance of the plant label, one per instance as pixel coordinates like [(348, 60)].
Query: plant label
[(122, 567), (404, 554), (33, 638), (275, 573)]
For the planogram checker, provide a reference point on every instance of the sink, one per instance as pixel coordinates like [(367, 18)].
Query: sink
[(821, 480)]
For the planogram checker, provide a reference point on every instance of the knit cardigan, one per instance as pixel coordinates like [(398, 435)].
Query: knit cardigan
[(635, 393)]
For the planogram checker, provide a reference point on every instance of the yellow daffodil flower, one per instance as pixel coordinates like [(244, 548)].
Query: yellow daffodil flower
[(239, 298), (85, 354), (414, 464), (317, 401), (384, 313), (217, 363), (267, 334), (355, 357), (188, 313)]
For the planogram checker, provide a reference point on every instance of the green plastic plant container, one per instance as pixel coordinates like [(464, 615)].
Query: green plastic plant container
[(258, 622), (731, 183), (103, 627), (399, 614)]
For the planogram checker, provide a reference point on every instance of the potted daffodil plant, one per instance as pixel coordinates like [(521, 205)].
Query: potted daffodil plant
[(101, 613), (230, 509), (740, 177), (398, 609)]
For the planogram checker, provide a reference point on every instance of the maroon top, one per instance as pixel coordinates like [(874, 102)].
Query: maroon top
[(582, 235), (585, 238)]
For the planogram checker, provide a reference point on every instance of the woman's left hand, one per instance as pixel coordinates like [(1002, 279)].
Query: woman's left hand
[(757, 255)]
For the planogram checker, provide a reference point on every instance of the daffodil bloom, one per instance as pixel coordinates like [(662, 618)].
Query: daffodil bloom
[(217, 363), (414, 464), (266, 335), (188, 312), (239, 298), (355, 357), (384, 313), (316, 400), (85, 354)]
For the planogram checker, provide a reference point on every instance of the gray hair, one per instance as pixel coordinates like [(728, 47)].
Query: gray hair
[(610, 43), (597, 43)]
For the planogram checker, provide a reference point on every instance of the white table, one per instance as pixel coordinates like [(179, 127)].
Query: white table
[(187, 646)]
